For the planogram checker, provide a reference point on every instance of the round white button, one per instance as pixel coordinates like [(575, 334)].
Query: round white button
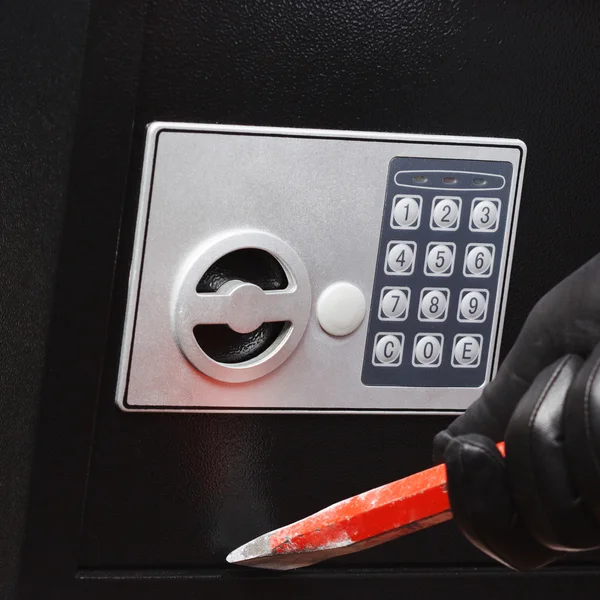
[(388, 349), (394, 303), (440, 258), (433, 304), (466, 350), (485, 214), (341, 308), (428, 349), (406, 212), (400, 258), (445, 213), (472, 306), (479, 260)]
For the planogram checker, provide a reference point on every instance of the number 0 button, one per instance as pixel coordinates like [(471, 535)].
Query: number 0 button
[(478, 260), (387, 351), (440, 259), (400, 258), (428, 350)]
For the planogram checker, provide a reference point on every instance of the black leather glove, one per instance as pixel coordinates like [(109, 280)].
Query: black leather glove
[(544, 499)]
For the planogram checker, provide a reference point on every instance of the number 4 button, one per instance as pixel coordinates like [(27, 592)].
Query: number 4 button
[(400, 258)]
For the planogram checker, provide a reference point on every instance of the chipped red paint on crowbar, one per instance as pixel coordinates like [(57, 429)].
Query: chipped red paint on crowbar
[(366, 520)]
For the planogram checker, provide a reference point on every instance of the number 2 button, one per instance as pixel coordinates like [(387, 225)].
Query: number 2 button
[(445, 213), (400, 258), (439, 259)]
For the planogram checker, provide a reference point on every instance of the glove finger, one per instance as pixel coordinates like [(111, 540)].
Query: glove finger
[(483, 506), (582, 428), (537, 464)]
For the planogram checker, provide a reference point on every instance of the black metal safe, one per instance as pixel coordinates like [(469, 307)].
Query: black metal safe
[(112, 504)]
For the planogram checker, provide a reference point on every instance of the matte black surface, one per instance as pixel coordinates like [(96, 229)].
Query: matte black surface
[(180, 490), (41, 52), (445, 374)]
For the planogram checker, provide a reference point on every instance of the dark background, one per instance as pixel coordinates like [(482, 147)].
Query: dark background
[(147, 505)]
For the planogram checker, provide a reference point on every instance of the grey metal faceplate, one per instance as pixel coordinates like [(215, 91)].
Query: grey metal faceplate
[(320, 192)]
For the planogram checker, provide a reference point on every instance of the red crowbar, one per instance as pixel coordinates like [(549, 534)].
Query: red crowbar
[(369, 519)]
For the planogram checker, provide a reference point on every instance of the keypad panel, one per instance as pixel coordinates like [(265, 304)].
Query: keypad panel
[(436, 293)]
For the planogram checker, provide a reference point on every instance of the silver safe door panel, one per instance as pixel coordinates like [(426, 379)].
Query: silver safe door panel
[(394, 255)]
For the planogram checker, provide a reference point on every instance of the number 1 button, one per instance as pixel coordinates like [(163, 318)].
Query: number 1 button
[(400, 258)]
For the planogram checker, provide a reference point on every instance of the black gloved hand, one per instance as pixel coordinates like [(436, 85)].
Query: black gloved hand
[(544, 499)]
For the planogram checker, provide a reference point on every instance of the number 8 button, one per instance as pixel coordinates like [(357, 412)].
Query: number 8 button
[(434, 304)]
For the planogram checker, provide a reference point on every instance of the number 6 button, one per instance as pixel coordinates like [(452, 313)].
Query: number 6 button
[(479, 260), (472, 306), (400, 258), (439, 258)]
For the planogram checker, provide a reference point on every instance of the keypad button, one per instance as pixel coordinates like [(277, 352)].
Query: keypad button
[(478, 260), (400, 257), (407, 212), (484, 214), (466, 351), (428, 350), (388, 349), (440, 259), (472, 305), (434, 304), (445, 213), (394, 303)]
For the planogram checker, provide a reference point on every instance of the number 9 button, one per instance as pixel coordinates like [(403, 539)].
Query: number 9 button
[(472, 305)]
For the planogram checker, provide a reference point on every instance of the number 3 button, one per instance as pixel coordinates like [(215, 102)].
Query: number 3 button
[(400, 258), (484, 214), (439, 259)]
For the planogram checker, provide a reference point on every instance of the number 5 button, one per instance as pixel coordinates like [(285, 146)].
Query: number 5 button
[(472, 306), (479, 260), (400, 258), (439, 259)]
